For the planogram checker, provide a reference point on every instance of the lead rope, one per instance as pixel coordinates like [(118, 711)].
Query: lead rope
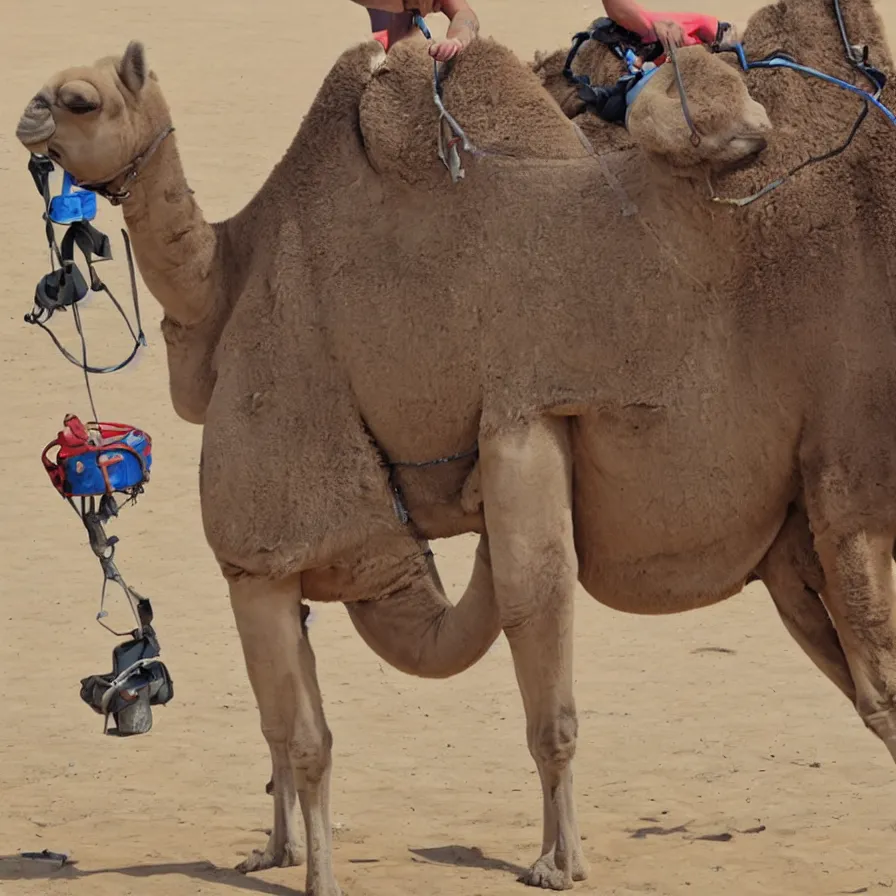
[(448, 153), (683, 97)]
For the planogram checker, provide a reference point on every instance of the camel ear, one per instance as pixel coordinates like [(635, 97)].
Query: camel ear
[(132, 68)]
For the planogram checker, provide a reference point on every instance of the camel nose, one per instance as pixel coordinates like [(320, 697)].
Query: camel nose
[(36, 124), (749, 146)]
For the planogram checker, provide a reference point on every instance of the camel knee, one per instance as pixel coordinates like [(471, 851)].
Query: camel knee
[(552, 739), (860, 597), (311, 759), (308, 753), (861, 587)]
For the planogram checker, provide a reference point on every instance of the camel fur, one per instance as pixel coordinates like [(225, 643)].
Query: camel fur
[(667, 395)]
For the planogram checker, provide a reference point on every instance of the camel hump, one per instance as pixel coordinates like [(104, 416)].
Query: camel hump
[(497, 100)]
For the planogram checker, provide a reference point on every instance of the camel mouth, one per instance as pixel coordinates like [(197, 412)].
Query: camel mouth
[(36, 126), (760, 144), (750, 148)]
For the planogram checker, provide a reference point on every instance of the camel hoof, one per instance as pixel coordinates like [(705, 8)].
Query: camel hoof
[(545, 874), (261, 860)]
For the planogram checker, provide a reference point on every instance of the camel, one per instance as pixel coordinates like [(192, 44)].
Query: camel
[(793, 564), (653, 411)]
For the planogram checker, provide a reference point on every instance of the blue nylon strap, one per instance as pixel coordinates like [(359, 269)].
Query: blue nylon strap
[(633, 92), (781, 62)]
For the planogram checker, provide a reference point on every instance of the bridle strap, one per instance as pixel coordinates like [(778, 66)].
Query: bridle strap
[(129, 173)]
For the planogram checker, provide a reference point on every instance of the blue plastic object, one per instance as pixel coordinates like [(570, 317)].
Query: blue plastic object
[(632, 94), (71, 206)]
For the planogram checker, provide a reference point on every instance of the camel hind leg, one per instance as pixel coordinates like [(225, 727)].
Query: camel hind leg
[(282, 671), (860, 595), (793, 576), (527, 497)]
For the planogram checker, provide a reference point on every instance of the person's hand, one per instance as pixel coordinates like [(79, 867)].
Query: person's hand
[(669, 34), (424, 7), (443, 50)]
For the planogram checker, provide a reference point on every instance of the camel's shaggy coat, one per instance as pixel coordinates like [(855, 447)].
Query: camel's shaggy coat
[(668, 395)]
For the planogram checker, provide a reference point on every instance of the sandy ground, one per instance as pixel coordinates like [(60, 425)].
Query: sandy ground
[(712, 756)]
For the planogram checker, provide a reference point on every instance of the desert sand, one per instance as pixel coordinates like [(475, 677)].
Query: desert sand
[(713, 758)]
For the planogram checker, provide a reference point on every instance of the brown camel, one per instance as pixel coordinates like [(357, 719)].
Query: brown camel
[(659, 410)]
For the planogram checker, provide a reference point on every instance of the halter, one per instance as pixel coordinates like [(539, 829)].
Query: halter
[(65, 286), (129, 173), (93, 465)]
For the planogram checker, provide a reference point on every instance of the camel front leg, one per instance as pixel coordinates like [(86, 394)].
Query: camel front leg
[(861, 598), (282, 671), (527, 496)]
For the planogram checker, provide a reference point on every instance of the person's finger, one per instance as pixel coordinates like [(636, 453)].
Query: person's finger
[(670, 34), (444, 50)]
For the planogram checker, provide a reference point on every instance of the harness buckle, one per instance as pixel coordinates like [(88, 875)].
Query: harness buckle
[(857, 54)]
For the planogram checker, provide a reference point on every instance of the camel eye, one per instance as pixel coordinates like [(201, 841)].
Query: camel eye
[(79, 105)]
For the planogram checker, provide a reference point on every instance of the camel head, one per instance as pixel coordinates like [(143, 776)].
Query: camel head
[(96, 120), (731, 125)]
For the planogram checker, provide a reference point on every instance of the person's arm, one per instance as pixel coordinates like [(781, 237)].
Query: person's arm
[(462, 31), (464, 22), (630, 15), (648, 26)]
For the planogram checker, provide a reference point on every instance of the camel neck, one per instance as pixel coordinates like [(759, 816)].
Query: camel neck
[(173, 243)]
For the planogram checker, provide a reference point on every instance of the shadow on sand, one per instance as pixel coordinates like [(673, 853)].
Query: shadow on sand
[(465, 857), (14, 868)]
